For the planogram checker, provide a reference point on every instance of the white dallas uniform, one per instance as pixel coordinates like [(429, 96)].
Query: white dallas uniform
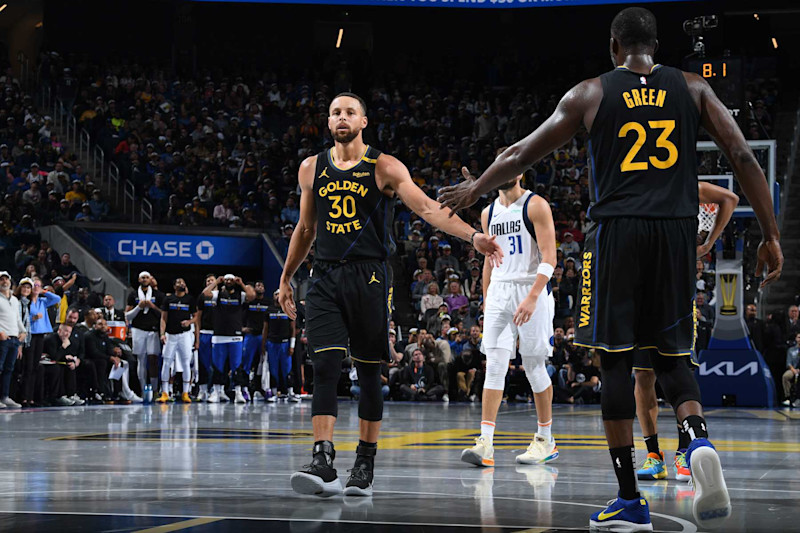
[(511, 283)]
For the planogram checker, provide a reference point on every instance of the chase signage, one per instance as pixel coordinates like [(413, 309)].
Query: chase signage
[(180, 249)]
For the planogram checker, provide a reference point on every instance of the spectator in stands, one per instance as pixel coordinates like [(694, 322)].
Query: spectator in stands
[(583, 378), (755, 327), (432, 300), (569, 246), (99, 207), (223, 212), (790, 376), (562, 297), (291, 213), (445, 261), (707, 312), (77, 195), (109, 312), (466, 368), (417, 381), (455, 298), (792, 326), (12, 335), (438, 356), (40, 326), (60, 384)]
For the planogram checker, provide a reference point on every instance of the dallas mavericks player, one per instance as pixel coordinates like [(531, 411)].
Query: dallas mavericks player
[(518, 305)]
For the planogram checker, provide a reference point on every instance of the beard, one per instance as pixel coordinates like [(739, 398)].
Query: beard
[(345, 137)]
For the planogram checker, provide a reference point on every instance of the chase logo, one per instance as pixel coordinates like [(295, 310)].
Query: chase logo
[(204, 250)]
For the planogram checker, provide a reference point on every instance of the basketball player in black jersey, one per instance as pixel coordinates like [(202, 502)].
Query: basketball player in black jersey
[(347, 203), (637, 282)]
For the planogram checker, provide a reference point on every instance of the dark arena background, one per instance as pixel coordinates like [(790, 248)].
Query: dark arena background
[(147, 141)]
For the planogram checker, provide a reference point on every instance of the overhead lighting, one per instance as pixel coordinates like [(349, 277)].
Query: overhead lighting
[(339, 40), (3, 7), (775, 43), (39, 24), (755, 16)]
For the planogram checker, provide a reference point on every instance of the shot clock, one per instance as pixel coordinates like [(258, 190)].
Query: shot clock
[(725, 77)]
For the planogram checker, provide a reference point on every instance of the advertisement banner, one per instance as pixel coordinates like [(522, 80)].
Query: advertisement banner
[(178, 249), (446, 3)]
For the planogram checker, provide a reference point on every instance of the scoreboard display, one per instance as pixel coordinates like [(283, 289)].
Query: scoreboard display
[(725, 77)]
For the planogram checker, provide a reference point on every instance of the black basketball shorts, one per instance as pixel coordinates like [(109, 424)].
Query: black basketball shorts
[(642, 361), (349, 306), (637, 286)]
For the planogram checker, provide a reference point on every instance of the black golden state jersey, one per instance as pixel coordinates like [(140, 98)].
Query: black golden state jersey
[(642, 146), (354, 218)]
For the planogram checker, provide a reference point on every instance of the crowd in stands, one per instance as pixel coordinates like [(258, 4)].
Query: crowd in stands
[(224, 151)]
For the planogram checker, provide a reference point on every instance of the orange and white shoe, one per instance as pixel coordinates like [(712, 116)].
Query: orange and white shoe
[(682, 472), (164, 398), (482, 454)]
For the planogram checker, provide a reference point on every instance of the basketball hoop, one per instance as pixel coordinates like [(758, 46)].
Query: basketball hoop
[(706, 217)]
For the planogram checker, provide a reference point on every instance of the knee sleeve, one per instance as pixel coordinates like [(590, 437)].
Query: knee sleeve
[(496, 368), (327, 370), (617, 400), (536, 373), (676, 380), (370, 403)]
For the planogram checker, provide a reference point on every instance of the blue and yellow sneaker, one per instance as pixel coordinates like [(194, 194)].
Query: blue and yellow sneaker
[(653, 467), (623, 516), (712, 504)]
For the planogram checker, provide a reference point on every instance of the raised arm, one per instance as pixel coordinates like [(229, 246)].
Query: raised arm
[(719, 123), (302, 238), (573, 110), (727, 201), (487, 268), (395, 176)]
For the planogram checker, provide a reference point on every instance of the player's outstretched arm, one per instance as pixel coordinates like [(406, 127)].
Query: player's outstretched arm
[(395, 175), (562, 125), (727, 202), (302, 238), (719, 123), (542, 217)]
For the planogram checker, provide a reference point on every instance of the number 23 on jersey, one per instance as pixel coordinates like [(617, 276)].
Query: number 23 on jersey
[(666, 128)]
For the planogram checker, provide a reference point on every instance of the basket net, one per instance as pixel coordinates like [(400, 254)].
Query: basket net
[(706, 217)]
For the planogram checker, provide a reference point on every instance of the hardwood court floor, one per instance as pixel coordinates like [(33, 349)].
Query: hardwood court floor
[(223, 467)]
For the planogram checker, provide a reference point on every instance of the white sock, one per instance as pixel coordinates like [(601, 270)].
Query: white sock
[(217, 389), (238, 389), (544, 429), (487, 431), (165, 386), (187, 386)]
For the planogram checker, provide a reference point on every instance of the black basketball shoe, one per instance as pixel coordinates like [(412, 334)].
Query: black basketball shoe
[(360, 481), (318, 478)]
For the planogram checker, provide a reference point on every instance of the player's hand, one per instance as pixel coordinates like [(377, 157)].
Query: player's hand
[(525, 311), (771, 257), (286, 299), (457, 197), (703, 249), (488, 246), (163, 339), (186, 323)]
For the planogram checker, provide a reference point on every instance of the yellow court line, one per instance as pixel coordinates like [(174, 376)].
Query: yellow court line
[(178, 526)]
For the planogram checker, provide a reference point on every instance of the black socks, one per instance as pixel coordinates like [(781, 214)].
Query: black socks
[(623, 467), (695, 426), (652, 444), (683, 438)]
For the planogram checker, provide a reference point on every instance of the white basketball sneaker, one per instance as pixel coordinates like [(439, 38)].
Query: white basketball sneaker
[(482, 454), (540, 451)]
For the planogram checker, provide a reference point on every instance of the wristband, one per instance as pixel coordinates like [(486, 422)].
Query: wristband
[(292, 342), (545, 269)]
